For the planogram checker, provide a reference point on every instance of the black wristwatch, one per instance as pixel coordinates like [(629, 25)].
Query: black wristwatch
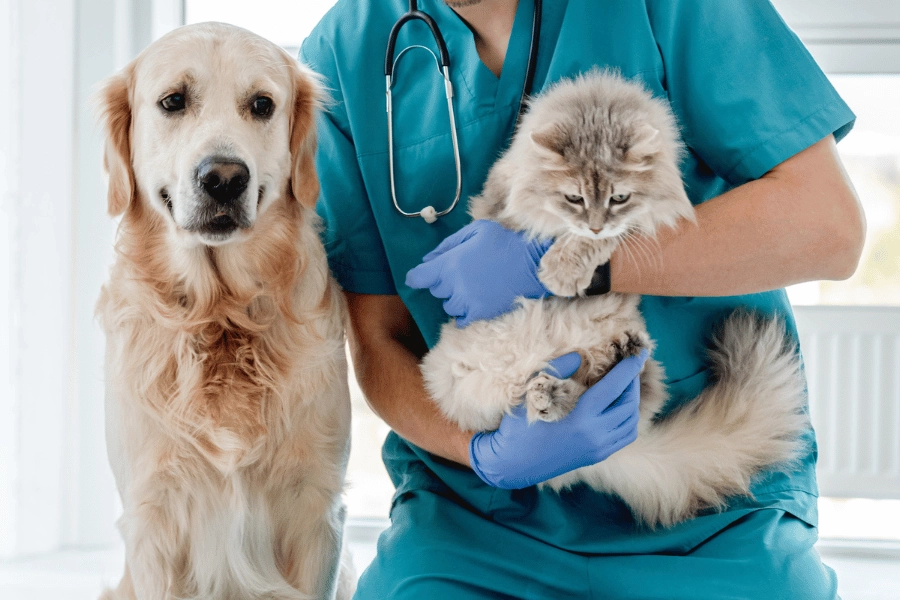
[(601, 282)]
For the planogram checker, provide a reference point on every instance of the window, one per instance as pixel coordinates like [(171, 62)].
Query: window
[(858, 44), (871, 153), (285, 22)]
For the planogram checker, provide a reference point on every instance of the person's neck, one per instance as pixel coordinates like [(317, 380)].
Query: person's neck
[(491, 21)]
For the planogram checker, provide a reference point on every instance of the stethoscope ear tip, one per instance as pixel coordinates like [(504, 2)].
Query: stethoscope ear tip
[(429, 214)]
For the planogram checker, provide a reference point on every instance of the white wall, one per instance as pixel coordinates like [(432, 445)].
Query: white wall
[(89, 491), (8, 161), (55, 244), (37, 54)]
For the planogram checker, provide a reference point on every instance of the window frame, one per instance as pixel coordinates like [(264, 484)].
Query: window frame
[(847, 36)]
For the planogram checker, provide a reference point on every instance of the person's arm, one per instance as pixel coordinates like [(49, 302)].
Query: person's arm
[(385, 348), (799, 222)]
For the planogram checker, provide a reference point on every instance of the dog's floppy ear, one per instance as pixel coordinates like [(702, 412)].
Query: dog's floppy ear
[(115, 115), (307, 99)]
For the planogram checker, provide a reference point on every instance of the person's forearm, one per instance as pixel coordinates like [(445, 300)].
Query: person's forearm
[(800, 222), (389, 376)]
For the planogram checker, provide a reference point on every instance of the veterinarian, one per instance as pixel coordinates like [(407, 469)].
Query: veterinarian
[(775, 208)]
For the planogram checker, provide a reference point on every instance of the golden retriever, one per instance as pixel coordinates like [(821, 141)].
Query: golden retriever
[(227, 408)]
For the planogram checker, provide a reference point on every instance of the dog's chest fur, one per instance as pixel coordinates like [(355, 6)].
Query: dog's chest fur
[(219, 389), (223, 385), (232, 424)]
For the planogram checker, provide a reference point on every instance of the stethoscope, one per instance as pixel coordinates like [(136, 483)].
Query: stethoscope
[(428, 213)]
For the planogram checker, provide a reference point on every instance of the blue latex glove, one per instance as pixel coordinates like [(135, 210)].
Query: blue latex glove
[(481, 270), (604, 420)]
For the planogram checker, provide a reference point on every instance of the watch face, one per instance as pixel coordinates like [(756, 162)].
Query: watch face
[(601, 282)]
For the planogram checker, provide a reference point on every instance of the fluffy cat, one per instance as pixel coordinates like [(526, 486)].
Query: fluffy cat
[(594, 161)]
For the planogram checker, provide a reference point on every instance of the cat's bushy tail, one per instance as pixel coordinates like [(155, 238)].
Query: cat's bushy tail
[(750, 417)]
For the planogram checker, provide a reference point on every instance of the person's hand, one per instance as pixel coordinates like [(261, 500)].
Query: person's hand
[(604, 420), (481, 270)]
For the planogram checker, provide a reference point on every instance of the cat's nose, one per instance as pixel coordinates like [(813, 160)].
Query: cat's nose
[(597, 230)]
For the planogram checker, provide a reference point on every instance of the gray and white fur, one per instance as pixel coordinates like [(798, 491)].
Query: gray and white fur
[(594, 162)]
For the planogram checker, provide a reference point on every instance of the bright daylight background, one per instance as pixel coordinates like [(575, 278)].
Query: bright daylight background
[(871, 153), (57, 495)]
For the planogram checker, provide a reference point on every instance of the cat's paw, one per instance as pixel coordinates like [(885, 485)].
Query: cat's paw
[(630, 343), (564, 274), (550, 399)]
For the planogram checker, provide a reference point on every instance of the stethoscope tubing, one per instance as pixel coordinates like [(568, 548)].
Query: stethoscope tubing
[(532, 58), (414, 14), (428, 213)]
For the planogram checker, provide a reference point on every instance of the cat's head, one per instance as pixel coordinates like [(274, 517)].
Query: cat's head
[(597, 157)]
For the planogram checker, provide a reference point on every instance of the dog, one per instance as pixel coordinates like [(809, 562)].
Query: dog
[(227, 401)]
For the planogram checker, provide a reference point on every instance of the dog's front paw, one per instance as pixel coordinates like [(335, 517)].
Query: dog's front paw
[(550, 399)]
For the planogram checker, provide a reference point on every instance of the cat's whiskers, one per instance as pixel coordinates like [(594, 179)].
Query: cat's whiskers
[(647, 247), (630, 256)]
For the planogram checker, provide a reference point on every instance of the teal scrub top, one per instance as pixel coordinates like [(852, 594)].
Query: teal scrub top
[(747, 96)]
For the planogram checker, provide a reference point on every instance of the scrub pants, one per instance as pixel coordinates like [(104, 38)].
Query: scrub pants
[(438, 550)]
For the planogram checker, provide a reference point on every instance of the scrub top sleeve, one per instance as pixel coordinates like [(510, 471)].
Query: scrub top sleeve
[(747, 93), (352, 241)]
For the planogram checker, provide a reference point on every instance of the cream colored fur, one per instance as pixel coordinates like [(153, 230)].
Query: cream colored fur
[(751, 416), (227, 405)]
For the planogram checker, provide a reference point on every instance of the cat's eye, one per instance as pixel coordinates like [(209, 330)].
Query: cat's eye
[(574, 199), (173, 102), (619, 198)]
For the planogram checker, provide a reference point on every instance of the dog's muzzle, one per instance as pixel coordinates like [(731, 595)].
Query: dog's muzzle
[(221, 186)]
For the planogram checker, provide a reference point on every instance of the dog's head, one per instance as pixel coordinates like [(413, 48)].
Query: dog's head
[(208, 127)]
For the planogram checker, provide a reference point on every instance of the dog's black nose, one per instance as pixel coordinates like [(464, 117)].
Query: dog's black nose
[(223, 179)]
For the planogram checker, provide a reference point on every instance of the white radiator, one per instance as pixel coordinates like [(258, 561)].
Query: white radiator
[(852, 358)]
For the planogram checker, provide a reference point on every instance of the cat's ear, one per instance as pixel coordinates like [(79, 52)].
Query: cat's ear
[(646, 143), (551, 139)]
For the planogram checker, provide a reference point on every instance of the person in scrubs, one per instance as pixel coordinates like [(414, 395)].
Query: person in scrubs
[(774, 207)]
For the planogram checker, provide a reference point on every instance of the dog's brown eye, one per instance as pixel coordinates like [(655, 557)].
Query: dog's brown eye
[(173, 102), (619, 198), (262, 106), (574, 199)]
